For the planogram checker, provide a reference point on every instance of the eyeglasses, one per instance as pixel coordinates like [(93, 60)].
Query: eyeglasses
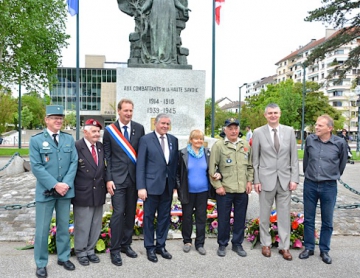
[(56, 118)]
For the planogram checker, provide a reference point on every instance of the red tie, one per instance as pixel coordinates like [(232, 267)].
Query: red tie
[(93, 153)]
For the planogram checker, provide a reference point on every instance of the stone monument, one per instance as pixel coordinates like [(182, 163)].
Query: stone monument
[(156, 41), (158, 78)]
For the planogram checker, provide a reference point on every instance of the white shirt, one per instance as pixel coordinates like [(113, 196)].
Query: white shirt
[(167, 151), (128, 128), (88, 144), (51, 135), (272, 133)]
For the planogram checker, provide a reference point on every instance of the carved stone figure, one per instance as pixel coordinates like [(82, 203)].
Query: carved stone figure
[(156, 41)]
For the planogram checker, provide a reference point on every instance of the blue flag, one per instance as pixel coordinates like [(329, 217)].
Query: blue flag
[(73, 7)]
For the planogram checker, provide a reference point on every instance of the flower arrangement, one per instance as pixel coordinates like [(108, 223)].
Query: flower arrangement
[(296, 231)]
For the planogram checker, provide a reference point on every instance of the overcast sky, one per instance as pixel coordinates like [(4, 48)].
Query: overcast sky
[(251, 38)]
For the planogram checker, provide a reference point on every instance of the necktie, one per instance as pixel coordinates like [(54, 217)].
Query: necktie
[(56, 141), (126, 134), (162, 143), (276, 140), (93, 153)]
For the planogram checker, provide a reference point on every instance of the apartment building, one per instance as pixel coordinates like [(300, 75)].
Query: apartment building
[(255, 87), (341, 94)]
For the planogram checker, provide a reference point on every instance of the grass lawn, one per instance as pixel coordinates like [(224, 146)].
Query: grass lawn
[(11, 151)]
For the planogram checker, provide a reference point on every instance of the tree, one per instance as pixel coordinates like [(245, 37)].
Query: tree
[(32, 35), (7, 108), (343, 15), (70, 120), (288, 95), (220, 117), (36, 104)]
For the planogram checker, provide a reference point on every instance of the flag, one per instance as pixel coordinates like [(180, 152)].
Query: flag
[(217, 10), (73, 7)]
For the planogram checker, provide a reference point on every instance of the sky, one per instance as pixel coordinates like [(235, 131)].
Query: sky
[(251, 38)]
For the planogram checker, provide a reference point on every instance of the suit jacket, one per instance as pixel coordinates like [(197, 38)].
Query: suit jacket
[(270, 165), (152, 169), (119, 164), (51, 164), (90, 188)]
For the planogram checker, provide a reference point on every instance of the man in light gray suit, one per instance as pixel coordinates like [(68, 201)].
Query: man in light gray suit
[(276, 174)]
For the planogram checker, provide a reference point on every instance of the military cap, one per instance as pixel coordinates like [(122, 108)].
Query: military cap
[(54, 110), (92, 122), (231, 121)]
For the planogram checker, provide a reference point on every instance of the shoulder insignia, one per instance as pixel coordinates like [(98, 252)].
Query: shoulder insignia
[(38, 134)]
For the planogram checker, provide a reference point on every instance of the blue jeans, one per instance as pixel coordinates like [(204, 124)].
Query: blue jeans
[(224, 205), (326, 192)]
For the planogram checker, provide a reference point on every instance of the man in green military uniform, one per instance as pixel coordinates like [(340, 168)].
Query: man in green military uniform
[(53, 158), (231, 156)]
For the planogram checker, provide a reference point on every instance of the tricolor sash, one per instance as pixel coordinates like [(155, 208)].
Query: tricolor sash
[(122, 142)]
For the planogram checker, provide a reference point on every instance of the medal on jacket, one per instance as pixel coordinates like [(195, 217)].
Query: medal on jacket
[(228, 160), (47, 158)]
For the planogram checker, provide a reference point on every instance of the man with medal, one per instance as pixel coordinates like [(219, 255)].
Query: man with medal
[(53, 159), (231, 157)]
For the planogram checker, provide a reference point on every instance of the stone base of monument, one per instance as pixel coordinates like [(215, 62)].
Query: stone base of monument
[(175, 92), (15, 167), (253, 210)]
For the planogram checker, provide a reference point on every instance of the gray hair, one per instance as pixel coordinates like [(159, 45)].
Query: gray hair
[(272, 105), (161, 116)]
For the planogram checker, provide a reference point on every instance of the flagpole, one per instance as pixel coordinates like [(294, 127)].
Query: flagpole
[(213, 75), (77, 77)]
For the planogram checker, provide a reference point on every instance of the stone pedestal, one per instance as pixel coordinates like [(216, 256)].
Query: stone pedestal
[(178, 93)]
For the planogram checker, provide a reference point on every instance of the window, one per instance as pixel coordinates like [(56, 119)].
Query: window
[(339, 51), (353, 103), (337, 94), (337, 103)]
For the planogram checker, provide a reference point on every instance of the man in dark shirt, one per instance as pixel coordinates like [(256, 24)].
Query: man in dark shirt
[(325, 158)]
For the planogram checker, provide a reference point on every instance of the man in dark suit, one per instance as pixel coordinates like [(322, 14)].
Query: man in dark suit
[(53, 160), (155, 181), (276, 175), (121, 141), (90, 193)]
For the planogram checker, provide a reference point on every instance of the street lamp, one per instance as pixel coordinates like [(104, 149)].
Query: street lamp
[(303, 65), (357, 91), (240, 101)]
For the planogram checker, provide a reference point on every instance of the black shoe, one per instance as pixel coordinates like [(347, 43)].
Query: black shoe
[(83, 261), (238, 249), (93, 258), (306, 254), (116, 259), (151, 256), (129, 252), (164, 253), (221, 252), (325, 257), (41, 272), (68, 265)]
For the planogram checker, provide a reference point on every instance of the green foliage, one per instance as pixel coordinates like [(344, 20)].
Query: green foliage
[(37, 105), (288, 95), (220, 117), (7, 108), (343, 15), (32, 35), (70, 119)]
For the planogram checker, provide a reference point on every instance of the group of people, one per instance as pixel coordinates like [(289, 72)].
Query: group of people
[(130, 165)]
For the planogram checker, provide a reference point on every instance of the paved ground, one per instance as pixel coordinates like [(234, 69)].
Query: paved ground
[(345, 254), (17, 225)]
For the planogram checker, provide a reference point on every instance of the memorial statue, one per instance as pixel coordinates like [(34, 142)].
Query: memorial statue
[(156, 41)]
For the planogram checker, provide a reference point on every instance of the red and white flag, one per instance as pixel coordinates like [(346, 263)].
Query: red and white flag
[(217, 10)]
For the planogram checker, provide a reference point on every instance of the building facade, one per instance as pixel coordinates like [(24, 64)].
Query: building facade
[(97, 85)]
